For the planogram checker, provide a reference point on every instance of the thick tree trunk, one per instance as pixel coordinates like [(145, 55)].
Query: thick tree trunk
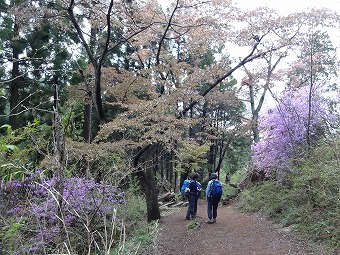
[(151, 195), (98, 95), (148, 185), (149, 188)]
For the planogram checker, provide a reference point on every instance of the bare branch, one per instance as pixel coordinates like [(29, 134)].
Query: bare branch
[(81, 34), (106, 45), (250, 57), (165, 32)]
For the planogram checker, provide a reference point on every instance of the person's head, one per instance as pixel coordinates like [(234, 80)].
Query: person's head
[(213, 176), (194, 176)]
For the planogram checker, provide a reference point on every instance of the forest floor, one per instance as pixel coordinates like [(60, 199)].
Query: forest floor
[(234, 233)]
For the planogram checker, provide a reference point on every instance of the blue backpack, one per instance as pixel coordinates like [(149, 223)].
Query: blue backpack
[(184, 186), (216, 189)]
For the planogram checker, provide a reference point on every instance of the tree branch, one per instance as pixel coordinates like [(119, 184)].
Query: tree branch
[(80, 34), (250, 57), (165, 32)]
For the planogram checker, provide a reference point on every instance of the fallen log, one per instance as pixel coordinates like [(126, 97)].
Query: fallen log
[(234, 185), (167, 197)]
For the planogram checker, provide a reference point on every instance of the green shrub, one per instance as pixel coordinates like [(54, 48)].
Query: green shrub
[(308, 198)]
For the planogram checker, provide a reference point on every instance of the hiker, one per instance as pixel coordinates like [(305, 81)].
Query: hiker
[(184, 187), (193, 194), (213, 194)]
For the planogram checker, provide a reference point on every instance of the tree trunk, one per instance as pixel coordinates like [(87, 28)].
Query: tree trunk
[(87, 122), (176, 188), (97, 63), (308, 131), (211, 156), (171, 170), (149, 188), (148, 185), (14, 85), (254, 123), (223, 150), (151, 195), (98, 95)]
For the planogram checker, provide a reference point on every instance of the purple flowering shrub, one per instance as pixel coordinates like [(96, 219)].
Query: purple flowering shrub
[(284, 131), (77, 220)]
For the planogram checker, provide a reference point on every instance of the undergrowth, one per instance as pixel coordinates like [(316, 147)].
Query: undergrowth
[(140, 235), (307, 200)]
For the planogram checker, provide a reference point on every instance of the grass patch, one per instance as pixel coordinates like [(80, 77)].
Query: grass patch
[(194, 224), (309, 202), (140, 235), (142, 240)]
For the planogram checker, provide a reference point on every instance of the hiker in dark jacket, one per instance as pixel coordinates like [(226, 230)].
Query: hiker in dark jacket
[(194, 192), (213, 194)]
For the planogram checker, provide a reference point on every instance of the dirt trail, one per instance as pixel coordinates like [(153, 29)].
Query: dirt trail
[(234, 233)]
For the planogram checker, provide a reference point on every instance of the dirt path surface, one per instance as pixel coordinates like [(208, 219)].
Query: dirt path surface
[(234, 233)]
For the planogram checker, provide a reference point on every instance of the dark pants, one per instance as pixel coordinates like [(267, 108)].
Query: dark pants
[(212, 207), (192, 207)]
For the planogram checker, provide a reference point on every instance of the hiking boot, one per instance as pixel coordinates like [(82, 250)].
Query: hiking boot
[(214, 220), (209, 221)]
